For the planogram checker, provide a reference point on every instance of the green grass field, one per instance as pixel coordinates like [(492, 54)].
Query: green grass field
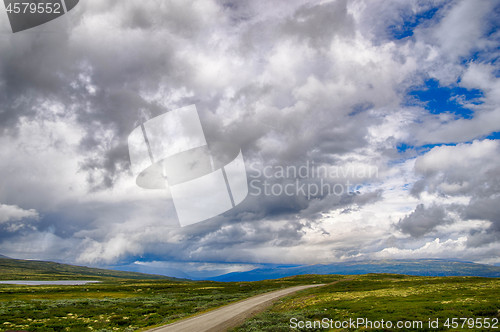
[(127, 301), (123, 304), (390, 297)]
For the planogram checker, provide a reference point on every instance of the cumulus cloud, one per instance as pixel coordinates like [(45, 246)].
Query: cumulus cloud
[(14, 219), (460, 169), (466, 170), (14, 212), (291, 84), (423, 220), (461, 29)]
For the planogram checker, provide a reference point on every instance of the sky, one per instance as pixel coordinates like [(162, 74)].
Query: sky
[(394, 104)]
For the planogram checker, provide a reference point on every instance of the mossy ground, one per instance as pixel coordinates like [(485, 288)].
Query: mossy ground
[(389, 297), (124, 304)]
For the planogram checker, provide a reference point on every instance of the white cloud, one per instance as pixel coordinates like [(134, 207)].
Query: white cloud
[(15, 213), (448, 249), (474, 157), (41, 161), (462, 27)]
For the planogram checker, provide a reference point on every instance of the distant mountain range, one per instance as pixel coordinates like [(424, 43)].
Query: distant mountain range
[(418, 267), (19, 269)]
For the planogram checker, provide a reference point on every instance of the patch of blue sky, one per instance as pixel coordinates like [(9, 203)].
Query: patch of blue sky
[(409, 23), (403, 147), (406, 186), (439, 99), (412, 150), (495, 135), (407, 151), (487, 56), (421, 149)]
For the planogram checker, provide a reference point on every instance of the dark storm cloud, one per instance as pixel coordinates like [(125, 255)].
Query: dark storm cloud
[(126, 60), (318, 24), (105, 75), (467, 169), (60, 67), (417, 188), (485, 208), (423, 220), (102, 73), (29, 74)]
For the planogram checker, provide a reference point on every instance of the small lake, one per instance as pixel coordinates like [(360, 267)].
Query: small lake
[(48, 282)]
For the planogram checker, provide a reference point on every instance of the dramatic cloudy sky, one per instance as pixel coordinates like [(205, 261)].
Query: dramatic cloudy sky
[(400, 98)]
